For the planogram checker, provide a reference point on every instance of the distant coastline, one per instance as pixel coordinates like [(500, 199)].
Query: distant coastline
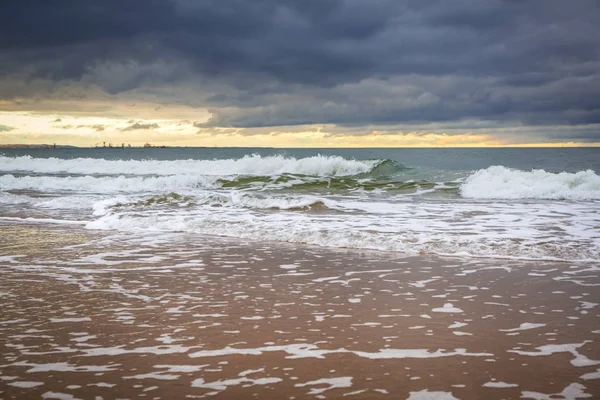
[(109, 147), (37, 146)]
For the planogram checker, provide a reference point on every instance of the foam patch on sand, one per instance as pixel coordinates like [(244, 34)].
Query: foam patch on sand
[(65, 367), (295, 351), (499, 385), (59, 396), (447, 308), (572, 392), (579, 361), (25, 384), (332, 383), (224, 384), (427, 395), (523, 327), (591, 375)]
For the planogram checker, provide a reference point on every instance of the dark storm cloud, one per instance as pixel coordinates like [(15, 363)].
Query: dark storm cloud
[(140, 126), (346, 62)]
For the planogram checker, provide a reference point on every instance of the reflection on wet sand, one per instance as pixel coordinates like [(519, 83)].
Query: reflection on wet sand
[(87, 314)]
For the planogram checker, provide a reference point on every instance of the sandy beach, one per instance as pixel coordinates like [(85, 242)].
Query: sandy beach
[(85, 316)]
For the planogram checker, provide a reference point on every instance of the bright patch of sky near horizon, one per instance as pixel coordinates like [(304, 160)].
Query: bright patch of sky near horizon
[(34, 128)]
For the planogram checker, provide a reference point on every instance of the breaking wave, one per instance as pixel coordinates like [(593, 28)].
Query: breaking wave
[(498, 182), (376, 204), (231, 199), (104, 184), (341, 234), (248, 165)]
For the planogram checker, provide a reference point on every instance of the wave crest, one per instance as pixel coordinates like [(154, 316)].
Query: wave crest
[(498, 182), (232, 199), (248, 165)]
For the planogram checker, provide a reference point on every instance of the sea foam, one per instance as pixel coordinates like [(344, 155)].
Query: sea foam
[(498, 182), (362, 231), (248, 165), (107, 184), (235, 199), (299, 200)]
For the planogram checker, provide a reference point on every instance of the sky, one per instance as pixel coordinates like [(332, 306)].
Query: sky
[(301, 73)]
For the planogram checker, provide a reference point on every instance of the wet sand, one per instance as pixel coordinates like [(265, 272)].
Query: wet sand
[(88, 315)]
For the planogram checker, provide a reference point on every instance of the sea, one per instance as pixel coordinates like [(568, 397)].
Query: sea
[(504, 203)]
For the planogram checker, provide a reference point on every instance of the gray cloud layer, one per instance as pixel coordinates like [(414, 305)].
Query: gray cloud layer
[(260, 63), (138, 126)]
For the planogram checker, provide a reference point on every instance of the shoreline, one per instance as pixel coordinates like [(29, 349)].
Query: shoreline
[(170, 316), (35, 221)]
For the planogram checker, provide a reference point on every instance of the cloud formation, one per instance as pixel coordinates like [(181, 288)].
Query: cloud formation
[(95, 127), (267, 63), (138, 126)]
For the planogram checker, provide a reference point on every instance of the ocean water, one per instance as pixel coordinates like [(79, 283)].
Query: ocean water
[(529, 204)]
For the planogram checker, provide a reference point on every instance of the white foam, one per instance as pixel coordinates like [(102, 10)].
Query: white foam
[(417, 353), (80, 319), (499, 385), (43, 220), (157, 350), (427, 395), (579, 361), (354, 393), (222, 385), (591, 375), (101, 185), (247, 165), (139, 201), (251, 371), (499, 182), (499, 231), (59, 396), (65, 367), (587, 305), (333, 383), (295, 351), (448, 308), (154, 375), (85, 338), (25, 384), (103, 384), (523, 327), (572, 392), (182, 368)]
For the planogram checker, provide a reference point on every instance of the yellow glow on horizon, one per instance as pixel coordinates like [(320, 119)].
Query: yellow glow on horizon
[(92, 130)]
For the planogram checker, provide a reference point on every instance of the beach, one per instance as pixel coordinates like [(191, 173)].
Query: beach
[(289, 200), (300, 273), (86, 314)]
